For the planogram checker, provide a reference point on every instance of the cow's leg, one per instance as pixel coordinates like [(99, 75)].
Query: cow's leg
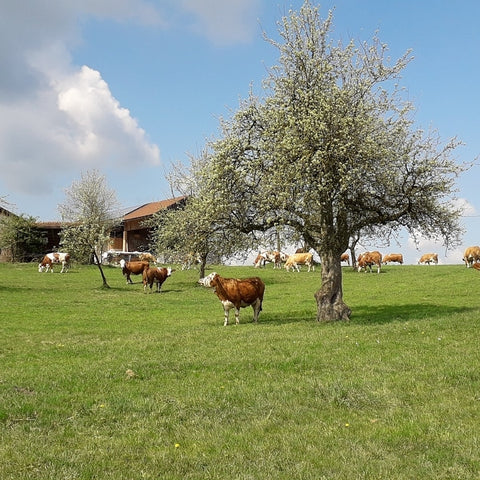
[(226, 311), (237, 316), (257, 308)]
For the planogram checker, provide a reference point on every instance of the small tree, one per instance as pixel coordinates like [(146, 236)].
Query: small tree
[(88, 216), (198, 228), (20, 236), (332, 151)]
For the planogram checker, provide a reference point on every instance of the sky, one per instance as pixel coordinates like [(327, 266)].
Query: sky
[(129, 87)]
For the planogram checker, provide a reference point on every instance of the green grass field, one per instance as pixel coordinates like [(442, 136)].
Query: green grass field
[(117, 384)]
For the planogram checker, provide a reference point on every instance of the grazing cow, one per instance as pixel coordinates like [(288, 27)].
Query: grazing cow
[(133, 268), (52, 258), (236, 293), (293, 261), (428, 258), (344, 257), (368, 259), (259, 261), (393, 257), (275, 257), (471, 256), (155, 275)]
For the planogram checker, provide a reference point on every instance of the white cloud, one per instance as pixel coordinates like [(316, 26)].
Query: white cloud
[(58, 117), (467, 208), (98, 123)]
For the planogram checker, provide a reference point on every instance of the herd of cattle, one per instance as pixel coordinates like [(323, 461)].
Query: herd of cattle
[(239, 293)]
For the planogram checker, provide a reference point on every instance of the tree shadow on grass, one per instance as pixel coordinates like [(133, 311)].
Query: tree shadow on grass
[(383, 314), (373, 315)]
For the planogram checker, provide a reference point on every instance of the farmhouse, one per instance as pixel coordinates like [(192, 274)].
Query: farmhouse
[(133, 233), (130, 236)]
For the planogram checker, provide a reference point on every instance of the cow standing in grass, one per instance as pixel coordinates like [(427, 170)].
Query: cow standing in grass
[(429, 258), (471, 256), (236, 293), (133, 268), (156, 275), (50, 259), (293, 261), (368, 259), (393, 258)]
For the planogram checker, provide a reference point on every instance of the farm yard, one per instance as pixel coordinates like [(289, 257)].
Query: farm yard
[(118, 384)]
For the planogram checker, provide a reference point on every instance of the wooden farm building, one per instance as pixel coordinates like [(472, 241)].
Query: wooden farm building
[(131, 235)]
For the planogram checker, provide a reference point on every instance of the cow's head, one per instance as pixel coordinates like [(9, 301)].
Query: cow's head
[(207, 281)]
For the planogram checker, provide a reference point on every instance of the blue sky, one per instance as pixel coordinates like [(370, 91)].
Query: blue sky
[(130, 86)]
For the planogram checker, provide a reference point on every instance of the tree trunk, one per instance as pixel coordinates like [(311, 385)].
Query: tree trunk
[(330, 304), (203, 265), (99, 265)]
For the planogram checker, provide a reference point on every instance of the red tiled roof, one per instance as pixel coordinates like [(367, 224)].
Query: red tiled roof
[(151, 208), (49, 224)]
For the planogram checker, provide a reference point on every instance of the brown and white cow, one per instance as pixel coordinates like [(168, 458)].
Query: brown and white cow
[(50, 259), (133, 268), (471, 256), (345, 257), (236, 293), (293, 261), (156, 275), (270, 256), (393, 257), (368, 259), (259, 261), (429, 258), (275, 257)]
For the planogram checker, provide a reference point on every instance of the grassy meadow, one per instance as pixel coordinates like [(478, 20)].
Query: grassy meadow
[(117, 384)]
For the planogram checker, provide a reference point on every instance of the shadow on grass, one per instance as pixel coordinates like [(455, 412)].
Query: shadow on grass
[(368, 314), (373, 315)]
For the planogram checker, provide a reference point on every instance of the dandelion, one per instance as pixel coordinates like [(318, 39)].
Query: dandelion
[(177, 445), (347, 424)]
